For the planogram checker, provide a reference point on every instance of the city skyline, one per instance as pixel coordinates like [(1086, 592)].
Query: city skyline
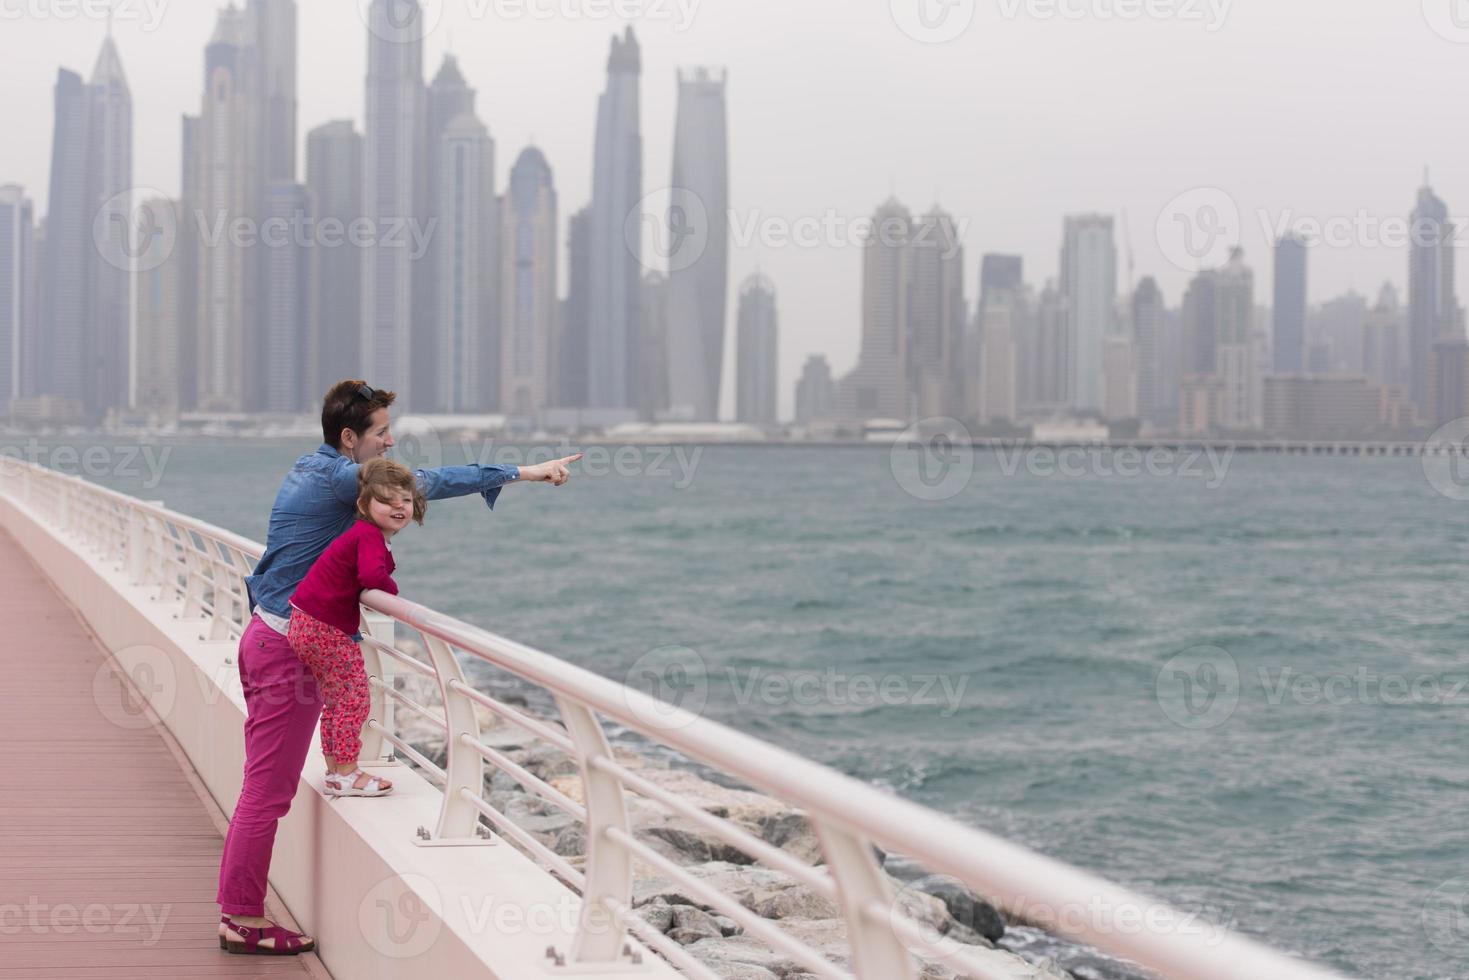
[(919, 160)]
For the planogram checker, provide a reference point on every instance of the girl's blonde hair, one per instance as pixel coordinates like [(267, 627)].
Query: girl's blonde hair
[(379, 478)]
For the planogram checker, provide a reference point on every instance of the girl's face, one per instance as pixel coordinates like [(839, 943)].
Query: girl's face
[(392, 515)]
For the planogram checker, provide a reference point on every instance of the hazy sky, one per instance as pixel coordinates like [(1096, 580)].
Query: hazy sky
[(1325, 109)]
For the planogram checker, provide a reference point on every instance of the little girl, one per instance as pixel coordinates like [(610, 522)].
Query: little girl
[(325, 614)]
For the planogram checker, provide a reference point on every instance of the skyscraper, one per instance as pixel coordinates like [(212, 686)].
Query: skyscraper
[(757, 353), (527, 285), (651, 399), (285, 306), (1051, 387), (615, 254), (448, 98), (272, 33), (393, 180), (1235, 359), (936, 315), (1089, 283), (270, 81), (186, 257), (1433, 308), (574, 344), (159, 314), (334, 177), (1290, 304), (1148, 326), (815, 392), (66, 292), (109, 346), (698, 290), (84, 342), (1000, 272), (228, 190), (469, 265), (878, 386), (1384, 341), (17, 302), (996, 394)]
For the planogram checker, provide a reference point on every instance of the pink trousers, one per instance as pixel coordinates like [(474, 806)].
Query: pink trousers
[(282, 704)]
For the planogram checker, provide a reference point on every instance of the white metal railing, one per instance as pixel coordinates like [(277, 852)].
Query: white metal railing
[(203, 567)]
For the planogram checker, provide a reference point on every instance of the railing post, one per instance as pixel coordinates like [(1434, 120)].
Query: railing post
[(380, 628), (877, 952), (464, 770), (137, 553), (608, 865)]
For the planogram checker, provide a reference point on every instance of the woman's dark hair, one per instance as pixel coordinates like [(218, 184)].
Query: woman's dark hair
[(349, 405)]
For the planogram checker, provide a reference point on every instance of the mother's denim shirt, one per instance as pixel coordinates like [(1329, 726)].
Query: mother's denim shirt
[(318, 501)]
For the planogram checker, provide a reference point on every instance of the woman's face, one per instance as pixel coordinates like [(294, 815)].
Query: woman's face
[(393, 514)]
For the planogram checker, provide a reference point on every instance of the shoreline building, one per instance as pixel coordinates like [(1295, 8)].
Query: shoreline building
[(158, 387), (1289, 334), (334, 178), (1433, 313), (17, 298), (936, 315), (614, 351), (527, 285), (815, 391), (757, 362), (469, 269), (447, 98), (227, 183), (1089, 283), (698, 259), (877, 388), (84, 339), (393, 169)]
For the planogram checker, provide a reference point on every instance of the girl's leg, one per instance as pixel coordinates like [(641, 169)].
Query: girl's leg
[(353, 708), (315, 644)]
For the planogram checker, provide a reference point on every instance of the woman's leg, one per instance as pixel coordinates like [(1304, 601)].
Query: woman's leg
[(282, 704)]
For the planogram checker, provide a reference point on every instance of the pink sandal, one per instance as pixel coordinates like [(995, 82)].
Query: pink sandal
[(287, 943)]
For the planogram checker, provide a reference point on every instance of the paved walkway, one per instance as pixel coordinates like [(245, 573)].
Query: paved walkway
[(109, 845)]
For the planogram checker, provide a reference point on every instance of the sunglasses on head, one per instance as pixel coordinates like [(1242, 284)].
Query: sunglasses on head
[(367, 391)]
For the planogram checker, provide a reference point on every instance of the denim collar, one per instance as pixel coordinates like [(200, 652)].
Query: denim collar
[(327, 450)]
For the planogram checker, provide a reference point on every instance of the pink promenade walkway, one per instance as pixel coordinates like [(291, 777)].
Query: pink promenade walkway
[(109, 844)]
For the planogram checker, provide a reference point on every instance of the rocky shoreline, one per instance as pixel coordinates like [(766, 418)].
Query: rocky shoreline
[(948, 912)]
